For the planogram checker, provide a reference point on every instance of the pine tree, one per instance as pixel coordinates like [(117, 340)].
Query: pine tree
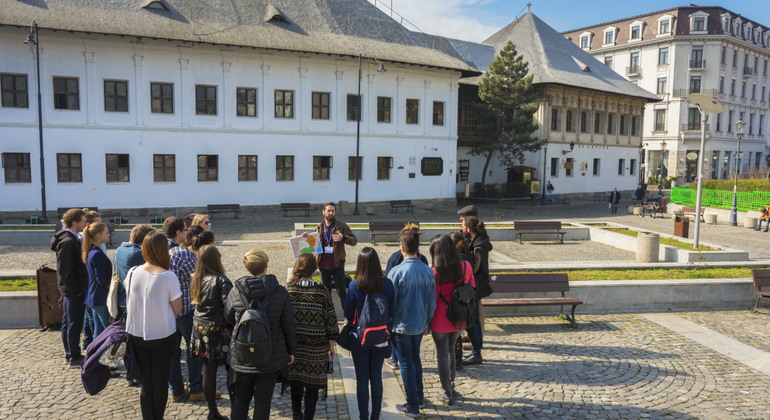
[(506, 110)]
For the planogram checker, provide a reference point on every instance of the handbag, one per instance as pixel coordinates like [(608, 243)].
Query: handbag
[(344, 338), (113, 355), (112, 297)]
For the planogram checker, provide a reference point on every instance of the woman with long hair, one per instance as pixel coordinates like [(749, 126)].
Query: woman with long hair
[(154, 299), (201, 220), (369, 280), (99, 270), (317, 330), (449, 270), (209, 289), (201, 239)]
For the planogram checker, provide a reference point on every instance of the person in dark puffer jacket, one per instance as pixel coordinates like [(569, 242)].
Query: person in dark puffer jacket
[(258, 382)]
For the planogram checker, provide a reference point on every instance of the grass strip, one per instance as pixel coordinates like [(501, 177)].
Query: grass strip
[(18, 285), (666, 241)]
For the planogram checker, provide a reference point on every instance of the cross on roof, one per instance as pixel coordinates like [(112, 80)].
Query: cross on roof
[(528, 5)]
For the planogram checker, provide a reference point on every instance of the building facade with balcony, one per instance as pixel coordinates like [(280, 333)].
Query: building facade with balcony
[(684, 50)]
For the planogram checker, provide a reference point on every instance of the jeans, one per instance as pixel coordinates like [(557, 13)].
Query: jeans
[(767, 225), (338, 275), (445, 359), (614, 207), (408, 350), (71, 325), (474, 332), (184, 325), (101, 318), (368, 363), (258, 386), (154, 358), (88, 327)]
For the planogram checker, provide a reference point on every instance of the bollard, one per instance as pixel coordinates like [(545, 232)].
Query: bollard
[(710, 218), (647, 247), (750, 222), (630, 209), (637, 211)]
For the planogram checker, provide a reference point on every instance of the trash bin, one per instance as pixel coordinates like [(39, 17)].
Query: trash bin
[(49, 298), (682, 226)]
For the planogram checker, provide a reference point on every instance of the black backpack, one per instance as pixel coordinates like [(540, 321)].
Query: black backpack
[(460, 308), (372, 323), (251, 341)]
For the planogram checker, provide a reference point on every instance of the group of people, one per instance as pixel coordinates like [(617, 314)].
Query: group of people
[(172, 286)]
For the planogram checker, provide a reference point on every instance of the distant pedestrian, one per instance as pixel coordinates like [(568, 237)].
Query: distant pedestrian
[(549, 188), (614, 200), (331, 262), (640, 194)]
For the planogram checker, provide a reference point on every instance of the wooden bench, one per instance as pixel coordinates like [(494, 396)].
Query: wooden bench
[(761, 279), (224, 208), (554, 199), (61, 210), (532, 283), (396, 204), (523, 228), (601, 196), (387, 228), (690, 211), (287, 207), (652, 210)]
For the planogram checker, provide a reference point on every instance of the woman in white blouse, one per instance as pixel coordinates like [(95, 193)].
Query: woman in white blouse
[(154, 299)]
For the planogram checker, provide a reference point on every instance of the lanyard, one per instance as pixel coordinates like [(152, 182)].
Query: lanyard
[(327, 231)]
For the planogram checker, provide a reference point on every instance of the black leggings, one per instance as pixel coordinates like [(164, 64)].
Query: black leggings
[(155, 363), (311, 399), (209, 379), (258, 386)]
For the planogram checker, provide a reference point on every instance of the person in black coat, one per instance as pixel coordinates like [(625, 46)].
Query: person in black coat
[(614, 200), (258, 382), (480, 246)]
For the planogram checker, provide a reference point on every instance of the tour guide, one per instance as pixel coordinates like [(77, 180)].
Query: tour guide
[(331, 262)]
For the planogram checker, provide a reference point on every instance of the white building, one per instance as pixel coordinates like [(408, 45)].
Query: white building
[(171, 103), (685, 50)]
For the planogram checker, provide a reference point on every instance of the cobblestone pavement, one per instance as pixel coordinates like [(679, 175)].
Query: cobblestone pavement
[(610, 367), (744, 326)]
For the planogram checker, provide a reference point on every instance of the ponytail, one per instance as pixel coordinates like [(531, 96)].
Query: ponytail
[(89, 234)]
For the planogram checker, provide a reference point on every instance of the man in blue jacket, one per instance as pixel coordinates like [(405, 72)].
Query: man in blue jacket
[(415, 303)]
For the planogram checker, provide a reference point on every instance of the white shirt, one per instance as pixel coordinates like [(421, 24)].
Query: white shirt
[(148, 303)]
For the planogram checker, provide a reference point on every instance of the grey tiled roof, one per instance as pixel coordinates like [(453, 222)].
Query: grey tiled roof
[(553, 59), (339, 27)]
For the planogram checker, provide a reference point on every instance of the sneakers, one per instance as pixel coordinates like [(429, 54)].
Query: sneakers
[(404, 409), (424, 402), (180, 398), (459, 366), (473, 360), (391, 364), (449, 403), (75, 363), (201, 397)]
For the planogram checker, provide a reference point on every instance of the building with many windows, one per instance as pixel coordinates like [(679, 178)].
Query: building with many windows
[(167, 103), (684, 50)]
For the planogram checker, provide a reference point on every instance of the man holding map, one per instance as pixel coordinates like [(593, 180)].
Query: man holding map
[(331, 261)]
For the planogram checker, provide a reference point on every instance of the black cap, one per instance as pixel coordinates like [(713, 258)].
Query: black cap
[(468, 211)]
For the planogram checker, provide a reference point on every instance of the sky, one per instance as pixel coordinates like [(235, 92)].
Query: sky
[(476, 20)]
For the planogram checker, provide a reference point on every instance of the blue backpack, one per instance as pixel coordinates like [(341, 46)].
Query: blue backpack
[(372, 323)]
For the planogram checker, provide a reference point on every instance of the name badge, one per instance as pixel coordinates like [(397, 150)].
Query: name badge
[(328, 250)]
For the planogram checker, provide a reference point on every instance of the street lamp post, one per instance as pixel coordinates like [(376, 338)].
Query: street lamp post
[(33, 39), (734, 209), (358, 128), (660, 174), (545, 162)]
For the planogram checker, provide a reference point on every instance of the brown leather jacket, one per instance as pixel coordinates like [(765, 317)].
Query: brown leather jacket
[(348, 238)]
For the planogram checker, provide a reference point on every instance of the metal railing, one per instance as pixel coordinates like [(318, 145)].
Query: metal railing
[(697, 63), (691, 126), (748, 71), (637, 69)]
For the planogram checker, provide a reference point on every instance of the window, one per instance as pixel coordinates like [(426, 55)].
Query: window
[(69, 167), (115, 96), (726, 24), (463, 170), (117, 167), (636, 32), (353, 107), (622, 125), (632, 167), (383, 109), (352, 168), (693, 119), (715, 164), (412, 111), (208, 168), (609, 37), (762, 98), (583, 122), (571, 162), (751, 123), (743, 90), (16, 166), (737, 31), (438, 113), (610, 130), (721, 84), (584, 42), (14, 91), (284, 168), (726, 168), (65, 93), (597, 166), (322, 165), (664, 27), (730, 122), (660, 120), (608, 61), (246, 102), (162, 98), (247, 167), (735, 58), (633, 126), (321, 105), (663, 56), (719, 121), (164, 168), (569, 121), (724, 55), (758, 160), (695, 84), (761, 121), (554, 119), (732, 87), (696, 61), (621, 167), (284, 104), (384, 164), (205, 100), (662, 84), (555, 167), (598, 123), (764, 69), (754, 91), (634, 68), (699, 24)]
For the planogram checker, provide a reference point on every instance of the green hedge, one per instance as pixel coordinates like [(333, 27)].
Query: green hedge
[(744, 185), (754, 200)]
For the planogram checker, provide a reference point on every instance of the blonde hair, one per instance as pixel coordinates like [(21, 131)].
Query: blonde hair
[(256, 261), (412, 226), (89, 234), (198, 219)]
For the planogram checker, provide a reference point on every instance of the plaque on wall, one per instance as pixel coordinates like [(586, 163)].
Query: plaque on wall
[(432, 166)]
